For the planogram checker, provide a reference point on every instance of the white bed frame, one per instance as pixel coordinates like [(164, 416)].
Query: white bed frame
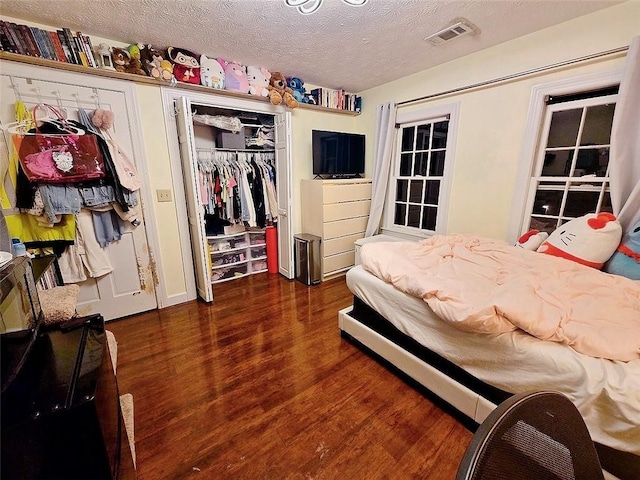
[(460, 397)]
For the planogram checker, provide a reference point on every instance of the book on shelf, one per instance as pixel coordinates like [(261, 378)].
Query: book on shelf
[(55, 41), (17, 36), (72, 46), (8, 44), (30, 41), (82, 44), (65, 46), (45, 52)]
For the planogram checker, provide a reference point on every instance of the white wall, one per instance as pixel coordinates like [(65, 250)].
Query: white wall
[(492, 120)]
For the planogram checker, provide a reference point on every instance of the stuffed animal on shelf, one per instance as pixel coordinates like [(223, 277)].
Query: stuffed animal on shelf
[(297, 86), (235, 76), (121, 59), (135, 65), (626, 259), (279, 92), (258, 81), (186, 67), (155, 63), (211, 72), (532, 240), (589, 240)]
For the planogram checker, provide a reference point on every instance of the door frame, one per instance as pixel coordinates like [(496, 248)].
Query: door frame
[(169, 96), (128, 89)]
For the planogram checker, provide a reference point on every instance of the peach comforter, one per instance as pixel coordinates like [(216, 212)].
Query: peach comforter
[(488, 286)]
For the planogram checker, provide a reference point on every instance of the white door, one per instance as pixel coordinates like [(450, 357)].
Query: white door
[(130, 287), (195, 209), (283, 187)]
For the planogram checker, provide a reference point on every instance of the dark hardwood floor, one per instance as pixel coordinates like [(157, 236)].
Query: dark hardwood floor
[(260, 384)]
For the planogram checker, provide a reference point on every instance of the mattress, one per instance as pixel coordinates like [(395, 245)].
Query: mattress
[(607, 393)]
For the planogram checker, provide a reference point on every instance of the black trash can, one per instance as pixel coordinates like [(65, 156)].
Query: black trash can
[(307, 258)]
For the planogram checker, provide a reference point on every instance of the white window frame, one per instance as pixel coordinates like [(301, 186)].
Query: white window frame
[(416, 117), (534, 133)]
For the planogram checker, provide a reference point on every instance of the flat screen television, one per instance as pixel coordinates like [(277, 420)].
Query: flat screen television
[(337, 154)]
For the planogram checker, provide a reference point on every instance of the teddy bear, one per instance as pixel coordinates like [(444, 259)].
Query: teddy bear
[(297, 85), (155, 63), (279, 92), (186, 67), (121, 59), (258, 81), (211, 72)]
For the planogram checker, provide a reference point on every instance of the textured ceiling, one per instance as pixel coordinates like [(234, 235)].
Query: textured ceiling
[(339, 46)]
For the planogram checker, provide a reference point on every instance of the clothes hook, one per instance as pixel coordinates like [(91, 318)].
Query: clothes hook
[(39, 94), (61, 107), (96, 97), (16, 88), (77, 97)]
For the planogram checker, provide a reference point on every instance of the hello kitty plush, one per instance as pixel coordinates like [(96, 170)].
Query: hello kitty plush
[(532, 240), (211, 72), (235, 77), (258, 81), (589, 240)]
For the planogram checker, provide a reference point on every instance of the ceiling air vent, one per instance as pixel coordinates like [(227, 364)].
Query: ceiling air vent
[(461, 27)]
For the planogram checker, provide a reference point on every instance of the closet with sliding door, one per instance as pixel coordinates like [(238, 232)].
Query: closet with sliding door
[(235, 171)]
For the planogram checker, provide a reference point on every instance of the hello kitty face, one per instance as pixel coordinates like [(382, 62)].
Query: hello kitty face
[(211, 72)]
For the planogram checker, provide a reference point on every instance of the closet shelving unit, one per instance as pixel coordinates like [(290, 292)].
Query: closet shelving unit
[(149, 80), (237, 255)]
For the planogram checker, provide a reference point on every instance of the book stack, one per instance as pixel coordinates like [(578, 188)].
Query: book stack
[(62, 45), (338, 99)]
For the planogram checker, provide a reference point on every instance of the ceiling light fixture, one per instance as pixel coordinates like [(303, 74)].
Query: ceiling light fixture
[(307, 7)]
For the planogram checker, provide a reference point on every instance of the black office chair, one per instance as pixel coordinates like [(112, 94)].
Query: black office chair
[(535, 435)]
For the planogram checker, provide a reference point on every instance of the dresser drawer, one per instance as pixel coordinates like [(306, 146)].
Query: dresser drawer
[(342, 228), (340, 211), (346, 193), (338, 262), (340, 244)]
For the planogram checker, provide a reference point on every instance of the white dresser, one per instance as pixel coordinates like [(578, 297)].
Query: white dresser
[(337, 211)]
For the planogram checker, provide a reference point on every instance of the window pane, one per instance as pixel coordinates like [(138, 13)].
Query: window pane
[(401, 210), (414, 216), (580, 203), (415, 193), (422, 142), (440, 131), (557, 163), (543, 224), (429, 218), (564, 128), (420, 167), (436, 168), (405, 164), (432, 192), (402, 186), (606, 203), (547, 202), (597, 125), (407, 139), (588, 163)]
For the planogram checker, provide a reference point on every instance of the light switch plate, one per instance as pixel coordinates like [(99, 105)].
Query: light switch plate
[(164, 195)]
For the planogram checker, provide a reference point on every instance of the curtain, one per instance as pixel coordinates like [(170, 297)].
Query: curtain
[(625, 143), (385, 136)]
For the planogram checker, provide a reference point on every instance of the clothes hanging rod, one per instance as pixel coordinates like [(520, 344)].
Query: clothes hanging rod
[(553, 66), (250, 150)]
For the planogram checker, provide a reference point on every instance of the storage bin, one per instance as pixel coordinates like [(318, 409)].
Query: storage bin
[(307, 258), (230, 140)]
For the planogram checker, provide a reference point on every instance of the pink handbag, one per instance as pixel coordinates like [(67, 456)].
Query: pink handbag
[(60, 158)]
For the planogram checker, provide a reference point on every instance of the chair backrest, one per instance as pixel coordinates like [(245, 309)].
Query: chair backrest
[(535, 435)]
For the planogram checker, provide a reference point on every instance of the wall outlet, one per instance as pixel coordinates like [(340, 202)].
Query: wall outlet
[(164, 195)]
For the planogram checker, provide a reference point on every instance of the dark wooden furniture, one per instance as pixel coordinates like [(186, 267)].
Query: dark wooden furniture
[(61, 415)]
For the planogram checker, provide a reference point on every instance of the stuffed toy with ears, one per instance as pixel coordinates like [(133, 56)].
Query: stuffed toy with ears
[(589, 240), (258, 81), (532, 240), (186, 67), (235, 76), (297, 86), (211, 72), (279, 92), (626, 259), (155, 63)]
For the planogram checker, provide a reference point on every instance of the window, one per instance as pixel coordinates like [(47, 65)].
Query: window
[(419, 187), (571, 175)]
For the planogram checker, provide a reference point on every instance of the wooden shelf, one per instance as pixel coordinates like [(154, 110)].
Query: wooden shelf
[(70, 67)]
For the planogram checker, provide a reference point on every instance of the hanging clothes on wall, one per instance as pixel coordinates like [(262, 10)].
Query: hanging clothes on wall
[(238, 187)]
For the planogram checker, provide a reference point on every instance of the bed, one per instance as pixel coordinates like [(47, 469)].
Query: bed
[(475, 371)]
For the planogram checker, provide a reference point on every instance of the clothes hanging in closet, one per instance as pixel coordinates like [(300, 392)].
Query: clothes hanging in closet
[(238, 187)]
